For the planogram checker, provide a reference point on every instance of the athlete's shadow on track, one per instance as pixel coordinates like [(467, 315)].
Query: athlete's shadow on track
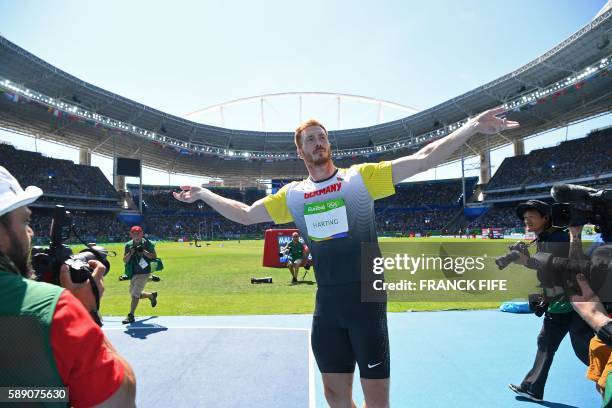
[(548, 404), (140, 329)]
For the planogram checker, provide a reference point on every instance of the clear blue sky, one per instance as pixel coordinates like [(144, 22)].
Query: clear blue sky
[(183, 55)]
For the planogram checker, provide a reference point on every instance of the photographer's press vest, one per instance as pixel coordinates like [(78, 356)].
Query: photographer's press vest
[(26, 313), (131, 268)]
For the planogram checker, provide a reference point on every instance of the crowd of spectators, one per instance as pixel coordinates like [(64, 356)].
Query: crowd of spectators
[(444, 193), (32, 168), (497, 217), (584, 157), (167, 217), (414, 222), (205, 226), (91, 226), (159, 198)]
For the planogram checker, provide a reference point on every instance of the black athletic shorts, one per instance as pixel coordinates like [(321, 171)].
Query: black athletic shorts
[(346, 330)]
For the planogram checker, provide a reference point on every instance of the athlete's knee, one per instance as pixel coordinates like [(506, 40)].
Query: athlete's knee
[(336, 395)]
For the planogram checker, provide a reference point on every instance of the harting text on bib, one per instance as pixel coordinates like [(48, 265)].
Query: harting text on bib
[(326, 219)]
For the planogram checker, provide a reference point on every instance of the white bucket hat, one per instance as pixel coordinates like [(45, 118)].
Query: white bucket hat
[(12, 196)]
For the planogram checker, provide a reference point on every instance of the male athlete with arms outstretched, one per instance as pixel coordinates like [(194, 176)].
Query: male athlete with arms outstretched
[(334, 212)]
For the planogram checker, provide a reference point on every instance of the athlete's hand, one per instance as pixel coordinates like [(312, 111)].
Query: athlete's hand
[(489, 123), (189, 194)]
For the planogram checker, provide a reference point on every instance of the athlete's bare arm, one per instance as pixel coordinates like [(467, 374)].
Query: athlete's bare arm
[(230, 209), (436, 152)]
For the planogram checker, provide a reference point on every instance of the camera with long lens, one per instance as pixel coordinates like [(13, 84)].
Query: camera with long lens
[(47, 261), (561, 272), (515, 251), (578, 205)]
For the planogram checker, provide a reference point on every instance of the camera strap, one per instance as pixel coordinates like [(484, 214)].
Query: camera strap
[(99, 255), (94, 288)]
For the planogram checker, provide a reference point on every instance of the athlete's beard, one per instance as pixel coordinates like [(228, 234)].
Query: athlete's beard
[(310, 158), (20, 255)]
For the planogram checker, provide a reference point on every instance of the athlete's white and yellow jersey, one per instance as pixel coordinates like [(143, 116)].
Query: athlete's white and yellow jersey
[(335, 216)]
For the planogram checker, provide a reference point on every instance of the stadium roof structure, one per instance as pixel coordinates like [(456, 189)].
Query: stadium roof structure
[(568, 83)]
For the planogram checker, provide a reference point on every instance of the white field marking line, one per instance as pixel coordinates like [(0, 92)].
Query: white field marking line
[(156, 326), (312, 403)]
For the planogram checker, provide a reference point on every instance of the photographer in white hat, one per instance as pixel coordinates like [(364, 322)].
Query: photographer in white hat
[(48, 337)]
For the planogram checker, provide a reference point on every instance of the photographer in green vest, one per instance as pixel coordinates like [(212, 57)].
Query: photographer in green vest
[(138, 255)]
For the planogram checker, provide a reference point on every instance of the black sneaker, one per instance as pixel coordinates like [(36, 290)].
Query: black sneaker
[(525, 393), (129, 319), (294, 281), (153, 299)]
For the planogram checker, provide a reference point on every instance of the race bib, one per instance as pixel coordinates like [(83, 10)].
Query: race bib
[(326, 219), (143, 263)]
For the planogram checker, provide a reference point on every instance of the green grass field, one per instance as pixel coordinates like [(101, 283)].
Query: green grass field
[(215, 280)]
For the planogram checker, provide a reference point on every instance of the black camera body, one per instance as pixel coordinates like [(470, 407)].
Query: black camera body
[(516, 250), (47, 261)]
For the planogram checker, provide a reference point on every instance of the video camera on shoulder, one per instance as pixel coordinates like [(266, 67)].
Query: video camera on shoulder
[(47, 261), (576, 206)]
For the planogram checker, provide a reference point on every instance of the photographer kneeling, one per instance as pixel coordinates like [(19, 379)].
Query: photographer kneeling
[(559, 317), (49, 339)]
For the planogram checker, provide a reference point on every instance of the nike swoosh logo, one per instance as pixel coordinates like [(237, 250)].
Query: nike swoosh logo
[(374, 365)]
